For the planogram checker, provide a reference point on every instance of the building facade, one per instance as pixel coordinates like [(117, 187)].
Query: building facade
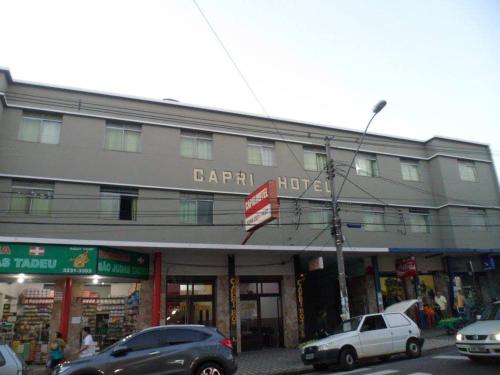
[(127, 181)]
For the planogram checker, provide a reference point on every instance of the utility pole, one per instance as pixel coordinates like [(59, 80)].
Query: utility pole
[(336, 231)]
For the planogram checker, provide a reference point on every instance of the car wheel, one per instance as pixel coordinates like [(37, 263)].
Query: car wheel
[(413, 349), (347, 359), (320, 366), (209, 369)]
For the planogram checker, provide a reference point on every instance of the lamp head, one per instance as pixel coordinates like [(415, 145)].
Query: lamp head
[(380, 105)]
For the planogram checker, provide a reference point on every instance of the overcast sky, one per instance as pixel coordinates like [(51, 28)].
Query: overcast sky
[(435, 62)]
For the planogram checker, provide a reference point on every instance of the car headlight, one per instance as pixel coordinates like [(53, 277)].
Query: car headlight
[(323, 347), (460, 337), (495, 336)]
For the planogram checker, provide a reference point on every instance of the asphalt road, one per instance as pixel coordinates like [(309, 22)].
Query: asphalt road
[(436, 362)]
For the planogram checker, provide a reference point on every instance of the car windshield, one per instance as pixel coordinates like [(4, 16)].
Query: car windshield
[(117, 343), (349, 325), (491, 312)]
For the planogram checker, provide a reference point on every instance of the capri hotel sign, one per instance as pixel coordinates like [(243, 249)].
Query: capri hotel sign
[(261, 206)]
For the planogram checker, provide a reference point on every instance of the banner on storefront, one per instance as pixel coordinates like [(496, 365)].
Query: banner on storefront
[(120, 263), (406, 267), (47, 259), (261, 206)]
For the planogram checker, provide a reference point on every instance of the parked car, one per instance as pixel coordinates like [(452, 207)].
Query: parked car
[(10, 363), (175, 349), (481, 340), (366, 336)]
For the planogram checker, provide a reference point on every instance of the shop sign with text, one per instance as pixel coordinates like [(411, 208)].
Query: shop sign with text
[(121, 263), (47, 259), (406, 267), (261, 206)]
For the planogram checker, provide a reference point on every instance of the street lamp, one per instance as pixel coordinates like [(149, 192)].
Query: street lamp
[(337, 224)]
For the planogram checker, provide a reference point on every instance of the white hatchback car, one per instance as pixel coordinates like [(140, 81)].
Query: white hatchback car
[(481, 339), (367, 336)]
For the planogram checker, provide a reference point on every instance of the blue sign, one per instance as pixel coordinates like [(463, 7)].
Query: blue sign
[(488, 262)]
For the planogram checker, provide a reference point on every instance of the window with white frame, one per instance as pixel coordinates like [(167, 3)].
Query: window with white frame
[(314, 159), (468, 171), (123, 137), (366, 165), (410, 170), (196, 208), (197, 145), (319, 215), (119, 203), (40, 127), (373, 219), (31, 197), (477, 220), (261, 152), (419, 220)]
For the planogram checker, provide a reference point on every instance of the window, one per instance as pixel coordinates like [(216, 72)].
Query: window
[(468, 171), (396, 320), (419, 220), (319, 215), (196, 145), (477, 219), (196, 208), (261, 153), (146, 340), (366, 165), (29, 197), (118, 203), (373, 323), (40, 127), (177, 336), (373, 219), (410, 170), (314, 160), (123, 137)]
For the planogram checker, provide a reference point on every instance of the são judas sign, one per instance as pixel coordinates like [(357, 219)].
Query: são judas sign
[(72, 260), (47, 259)]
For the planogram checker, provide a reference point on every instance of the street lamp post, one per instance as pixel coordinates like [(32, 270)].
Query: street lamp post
[(336, 229)]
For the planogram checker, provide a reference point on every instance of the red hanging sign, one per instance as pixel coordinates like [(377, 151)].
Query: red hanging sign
[(406, 267)]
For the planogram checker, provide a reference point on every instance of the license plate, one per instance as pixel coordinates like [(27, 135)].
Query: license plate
[(310, 356), (478, 349)]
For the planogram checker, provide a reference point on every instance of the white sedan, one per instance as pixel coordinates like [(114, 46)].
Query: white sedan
[(481, 339), (367, 336)]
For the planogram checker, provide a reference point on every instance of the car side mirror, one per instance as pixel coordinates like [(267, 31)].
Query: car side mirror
[(120, 350)]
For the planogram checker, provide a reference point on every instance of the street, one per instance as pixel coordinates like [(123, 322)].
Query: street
[(436, 362)]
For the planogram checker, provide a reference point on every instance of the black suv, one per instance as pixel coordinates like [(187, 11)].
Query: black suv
[(175, 349)]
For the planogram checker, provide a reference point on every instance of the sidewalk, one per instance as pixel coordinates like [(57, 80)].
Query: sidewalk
[(287, 361)]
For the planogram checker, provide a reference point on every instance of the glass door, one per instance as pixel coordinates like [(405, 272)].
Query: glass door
[(190, 302), (251, 338)]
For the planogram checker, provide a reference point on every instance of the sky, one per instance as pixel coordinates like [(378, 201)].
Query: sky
[(436, 63)]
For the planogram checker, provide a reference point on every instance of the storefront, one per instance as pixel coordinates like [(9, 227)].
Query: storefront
[(49, 288)]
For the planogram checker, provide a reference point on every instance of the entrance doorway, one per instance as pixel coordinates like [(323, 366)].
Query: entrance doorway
[(261, 314), (190, 301)]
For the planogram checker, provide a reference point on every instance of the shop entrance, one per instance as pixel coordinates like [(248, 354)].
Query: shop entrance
[(261, 315), (191, 301)]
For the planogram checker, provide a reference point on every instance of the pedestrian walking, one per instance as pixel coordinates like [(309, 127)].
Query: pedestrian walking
[(56, 351), (88, 345)]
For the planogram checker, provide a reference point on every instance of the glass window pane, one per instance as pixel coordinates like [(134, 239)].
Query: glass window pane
[(363, 167), (29, 130), (114, 139), (419, 223), (176, 313), (478, 221), (205, 214), (248, 288), (373, 221), (310, 161), (204, 149), (110, 206), (19, 203), (40, 206), (203, 313), (320, 162), (188, 211), (268, 158), (254, 156), (202, 289), (146, 340), (270, 288), (374, 168), (188, 147), (467, 171), (50, 132), (132, 141)]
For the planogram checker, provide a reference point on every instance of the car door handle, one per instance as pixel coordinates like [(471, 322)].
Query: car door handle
[(154, 353)]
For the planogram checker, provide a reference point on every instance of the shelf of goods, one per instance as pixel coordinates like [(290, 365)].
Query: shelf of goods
[(131, 313), (32, 325)]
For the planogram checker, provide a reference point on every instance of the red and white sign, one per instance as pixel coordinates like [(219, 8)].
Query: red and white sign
[(406, 267), (37, 251), (261, 206)]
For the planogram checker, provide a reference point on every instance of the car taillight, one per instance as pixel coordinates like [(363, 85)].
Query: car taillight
[(227, 343)]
